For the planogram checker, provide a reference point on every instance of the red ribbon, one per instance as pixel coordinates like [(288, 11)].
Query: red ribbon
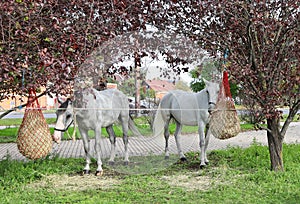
[(226, 84)]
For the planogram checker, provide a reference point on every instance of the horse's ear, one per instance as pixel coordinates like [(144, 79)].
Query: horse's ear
[(205, 81), (69, 101), (59, 100)]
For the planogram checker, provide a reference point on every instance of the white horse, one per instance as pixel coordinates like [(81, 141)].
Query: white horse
[(192, 109), (94, 110)]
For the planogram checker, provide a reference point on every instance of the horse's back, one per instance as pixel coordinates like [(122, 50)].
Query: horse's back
[(114, 98), (186, 107), (182, 99), (103, 108)]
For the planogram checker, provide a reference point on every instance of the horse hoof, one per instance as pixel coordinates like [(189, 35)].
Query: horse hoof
[(183, 159), (86, 172), (111, 163), (202, 166), (126, 163), (167, 157), (99, 173)]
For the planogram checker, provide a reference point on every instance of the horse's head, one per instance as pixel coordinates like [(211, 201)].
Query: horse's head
[(212, 90), (64, 118)]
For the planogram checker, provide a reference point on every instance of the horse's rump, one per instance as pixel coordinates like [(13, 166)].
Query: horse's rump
[(187, 108)]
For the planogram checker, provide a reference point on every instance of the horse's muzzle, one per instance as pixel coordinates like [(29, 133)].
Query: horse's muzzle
[(56, 138), (211, 107)]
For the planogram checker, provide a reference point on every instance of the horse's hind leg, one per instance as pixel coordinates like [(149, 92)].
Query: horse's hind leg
[(125, 120), (112, 139), (99, 171), (167, 135), (178, 142)]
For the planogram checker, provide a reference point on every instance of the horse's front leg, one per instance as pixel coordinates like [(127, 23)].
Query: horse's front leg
[(207, 135), (202, 144), (86, 145), (99, 171)]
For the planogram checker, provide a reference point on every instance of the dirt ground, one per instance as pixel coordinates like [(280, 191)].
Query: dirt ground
[(188, 181)]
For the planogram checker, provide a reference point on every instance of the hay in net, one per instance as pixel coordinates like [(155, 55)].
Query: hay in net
[(34, 140), (224, 121)]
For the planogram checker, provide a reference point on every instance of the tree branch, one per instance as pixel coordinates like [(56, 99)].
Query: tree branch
[(263, 128), (21, 106), (293, 111)]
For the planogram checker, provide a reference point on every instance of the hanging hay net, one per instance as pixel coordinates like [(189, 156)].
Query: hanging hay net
[(224, 122), (34, 140)]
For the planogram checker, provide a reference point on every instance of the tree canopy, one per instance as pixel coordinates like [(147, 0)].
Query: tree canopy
[(45, 43), (42, 43), (262, 38)]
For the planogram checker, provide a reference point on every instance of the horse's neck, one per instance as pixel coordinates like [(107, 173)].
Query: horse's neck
[(202, 93), (82, 97), (202, 97)]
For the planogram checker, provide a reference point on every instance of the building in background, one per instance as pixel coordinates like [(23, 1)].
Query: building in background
[(45, 102), (160, 87)]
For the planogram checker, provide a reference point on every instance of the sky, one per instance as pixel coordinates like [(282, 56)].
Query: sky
[(152, 68)]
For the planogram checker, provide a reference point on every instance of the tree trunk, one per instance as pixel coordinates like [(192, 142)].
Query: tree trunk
[(137, 84), (275, 144)]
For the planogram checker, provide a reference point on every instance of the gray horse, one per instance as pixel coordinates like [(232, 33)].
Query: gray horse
[(93, 110), (192, 109)]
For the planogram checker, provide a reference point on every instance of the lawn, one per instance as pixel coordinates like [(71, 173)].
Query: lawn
[(234, 175), (10, 133)]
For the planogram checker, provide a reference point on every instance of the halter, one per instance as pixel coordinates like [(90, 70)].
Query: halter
[(63, 130), (210, 102), (67, 127)]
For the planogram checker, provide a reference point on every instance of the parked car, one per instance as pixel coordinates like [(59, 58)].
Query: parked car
[(145, 106)]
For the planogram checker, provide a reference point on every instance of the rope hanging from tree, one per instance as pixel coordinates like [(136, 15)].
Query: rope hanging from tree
[(34, 140)]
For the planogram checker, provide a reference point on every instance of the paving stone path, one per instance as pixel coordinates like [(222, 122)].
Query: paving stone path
[(140, 146)]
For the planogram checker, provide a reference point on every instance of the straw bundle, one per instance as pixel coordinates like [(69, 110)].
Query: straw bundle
[(34, 140)]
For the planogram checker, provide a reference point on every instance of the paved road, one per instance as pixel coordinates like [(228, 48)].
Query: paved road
[(53, 115), (139, 146), (15, 115)]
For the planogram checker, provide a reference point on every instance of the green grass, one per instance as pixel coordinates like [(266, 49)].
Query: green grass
[(234, 176), (10, 134), (18, 121)]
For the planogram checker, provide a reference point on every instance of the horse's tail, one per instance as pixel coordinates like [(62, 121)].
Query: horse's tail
[(133, 127), (158, 123)]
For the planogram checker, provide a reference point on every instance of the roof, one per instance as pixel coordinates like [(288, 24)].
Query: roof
[(160, 85)]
